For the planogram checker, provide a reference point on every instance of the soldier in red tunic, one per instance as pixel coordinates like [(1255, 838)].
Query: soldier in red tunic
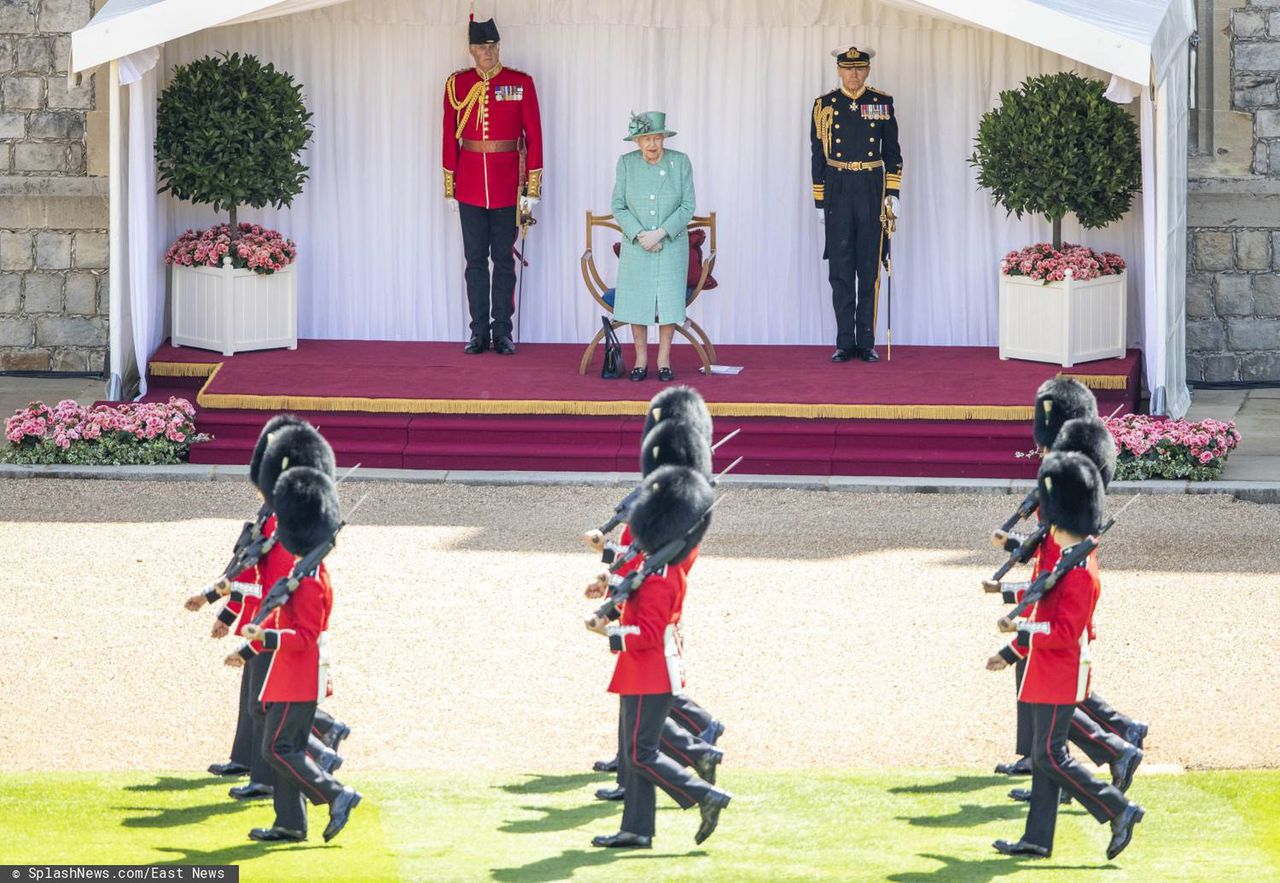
[(307, 509), (1059, 670), (675, 504), (492, 160)]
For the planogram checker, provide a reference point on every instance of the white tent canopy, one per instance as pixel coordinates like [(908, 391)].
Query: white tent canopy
[(735, 76)]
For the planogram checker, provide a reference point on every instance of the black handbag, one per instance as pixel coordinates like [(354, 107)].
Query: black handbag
[(613, 364)]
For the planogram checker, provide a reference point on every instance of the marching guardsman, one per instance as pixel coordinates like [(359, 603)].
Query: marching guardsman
[(309, 516), (492, 162), (690, 732), (674, 506), (1059, 668), (1088, 436), (857, 174)]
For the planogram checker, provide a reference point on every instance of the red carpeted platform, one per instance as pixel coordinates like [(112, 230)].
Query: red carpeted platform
[(942, 411)]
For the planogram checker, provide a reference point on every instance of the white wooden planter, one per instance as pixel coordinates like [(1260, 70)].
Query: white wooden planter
[(229, 310), (1065, 322)]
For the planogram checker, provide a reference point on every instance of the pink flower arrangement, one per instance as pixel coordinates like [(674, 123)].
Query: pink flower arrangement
[(1044, 263), (258, 249), (1157, 447), (124, 434)]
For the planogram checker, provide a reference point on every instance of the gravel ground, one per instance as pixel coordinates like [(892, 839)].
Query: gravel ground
[(827, 629)]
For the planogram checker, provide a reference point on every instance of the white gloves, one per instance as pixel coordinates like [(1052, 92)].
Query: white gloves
[(892, 203), (651, 240), (528, 202), (453, 204), (822, 216)]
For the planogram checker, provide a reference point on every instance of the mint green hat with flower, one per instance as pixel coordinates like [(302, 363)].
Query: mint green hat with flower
[(651, 122)]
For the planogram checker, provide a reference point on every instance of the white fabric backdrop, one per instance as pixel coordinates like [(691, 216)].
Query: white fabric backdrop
[(381, 257)]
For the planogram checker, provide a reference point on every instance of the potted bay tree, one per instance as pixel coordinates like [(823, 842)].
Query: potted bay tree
[(1057, 145), (229, 133)]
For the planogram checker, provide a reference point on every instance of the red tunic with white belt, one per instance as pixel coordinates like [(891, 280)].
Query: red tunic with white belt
[(640, 637), (1058, 664), (478, 109), (294, 633)]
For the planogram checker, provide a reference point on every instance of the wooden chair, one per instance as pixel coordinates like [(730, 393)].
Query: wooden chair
[(690, 330)]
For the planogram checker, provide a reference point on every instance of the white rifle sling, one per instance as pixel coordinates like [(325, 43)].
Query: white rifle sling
[(671, 650)]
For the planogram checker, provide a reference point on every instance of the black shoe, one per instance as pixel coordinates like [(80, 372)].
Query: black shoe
[(476, 345), (1020, 767), (842, 355), (252, 791), (666, 375), (276, 835), (710, 807), (618, 793), (504, 346), (623, 840), (711, 735), (1023, 795), (1122, 829), (329, 761), (340, 811), (1135, 733), (868, 354), (705, 766), (230, 768), (1022, 848), (638, 374), (606, 766), (336, 734), (1124, 767)]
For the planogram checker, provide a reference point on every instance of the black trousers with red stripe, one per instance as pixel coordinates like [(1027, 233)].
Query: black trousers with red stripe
[(640, 728), (298, 779), (1098, 744), (1053, 769), (243, 748), (690, 715), (676, 743), (1105, 716)]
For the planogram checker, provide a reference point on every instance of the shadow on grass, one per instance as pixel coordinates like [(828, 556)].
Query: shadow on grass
[(542, 784), (558, 819), (231, 855), (564, 865), (177, 816), (969, 815), (958, 785), (174, 783), (983, 870)]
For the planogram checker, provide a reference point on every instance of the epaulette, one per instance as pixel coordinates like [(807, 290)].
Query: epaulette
[(879, 91), (832, 94), (461, 71)]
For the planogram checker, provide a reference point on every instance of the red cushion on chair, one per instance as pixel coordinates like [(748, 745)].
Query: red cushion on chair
[(696, 238)]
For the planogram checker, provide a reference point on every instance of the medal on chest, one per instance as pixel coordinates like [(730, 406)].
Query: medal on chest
[(874, 111), (508, 93)]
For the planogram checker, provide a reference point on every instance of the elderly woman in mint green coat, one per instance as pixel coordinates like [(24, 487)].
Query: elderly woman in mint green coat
[(653, 203)]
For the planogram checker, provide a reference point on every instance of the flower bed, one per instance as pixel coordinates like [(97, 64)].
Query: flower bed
[(157, 433), (1043, 263), (259, 249), (1156, 447)]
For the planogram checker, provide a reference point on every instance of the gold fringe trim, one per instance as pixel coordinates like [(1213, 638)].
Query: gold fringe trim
[(1100, 381), (182, 369), (606, 408)]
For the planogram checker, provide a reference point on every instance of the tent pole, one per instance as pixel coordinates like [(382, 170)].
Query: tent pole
[(117, 261)]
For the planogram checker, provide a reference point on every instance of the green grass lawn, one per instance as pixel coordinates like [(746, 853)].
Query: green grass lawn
[(901, 826)]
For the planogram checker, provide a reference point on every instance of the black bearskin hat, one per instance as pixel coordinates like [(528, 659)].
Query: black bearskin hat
[(1071, 493), (679, 403), (1090, 436), (290, 448), (274, 425), (672, 443), (307, 509), (1058, 400), (675, 503)]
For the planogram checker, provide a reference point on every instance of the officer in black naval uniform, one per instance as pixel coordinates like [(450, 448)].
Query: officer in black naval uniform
[(857, 173)]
